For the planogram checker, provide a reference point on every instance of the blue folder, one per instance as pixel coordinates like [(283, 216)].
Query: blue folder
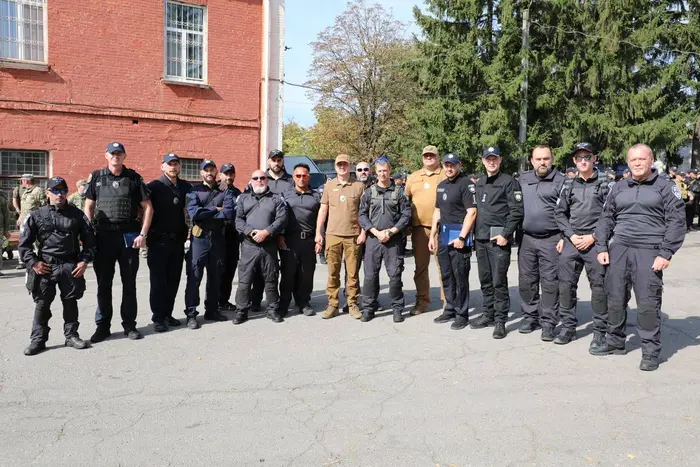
[(129, 238), (450, 233)]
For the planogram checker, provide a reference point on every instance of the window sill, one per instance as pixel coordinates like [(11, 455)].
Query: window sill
[(185, 83), (21, 65)]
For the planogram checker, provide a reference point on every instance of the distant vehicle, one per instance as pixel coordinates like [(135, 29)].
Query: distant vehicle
[(317, 177)]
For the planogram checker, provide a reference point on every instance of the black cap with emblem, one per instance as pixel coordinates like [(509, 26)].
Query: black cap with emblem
[(115, 147), (56, 182)]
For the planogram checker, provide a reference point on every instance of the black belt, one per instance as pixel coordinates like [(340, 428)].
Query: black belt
[(56, 261), (302, 235), (542, 235)]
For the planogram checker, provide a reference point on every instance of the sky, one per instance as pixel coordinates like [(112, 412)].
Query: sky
[(304, 19)]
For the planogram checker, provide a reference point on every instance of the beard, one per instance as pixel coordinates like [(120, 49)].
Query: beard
[(258, 190), (276, 169), (542, 171)]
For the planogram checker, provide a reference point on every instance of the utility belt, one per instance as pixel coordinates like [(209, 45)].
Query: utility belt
[(199, 231), (57, 261), (542, 235), (308, 235)]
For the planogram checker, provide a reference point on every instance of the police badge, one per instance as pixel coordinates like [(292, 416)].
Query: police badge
[(518, 195)]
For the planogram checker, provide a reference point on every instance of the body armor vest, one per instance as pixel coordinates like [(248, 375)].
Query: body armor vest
[(113, 207), (59, 233)]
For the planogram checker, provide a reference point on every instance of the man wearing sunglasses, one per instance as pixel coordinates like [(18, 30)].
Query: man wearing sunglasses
[(261, 217), (66, 245), (363, 173), (421, 189), (299, 258), (578, 209)]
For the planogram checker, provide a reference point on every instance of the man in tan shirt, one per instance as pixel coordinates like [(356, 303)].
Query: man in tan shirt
[(340, 205), (421, 189)]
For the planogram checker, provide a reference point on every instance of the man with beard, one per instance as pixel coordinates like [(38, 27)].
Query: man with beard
[(299, 257), (500, 203), (166, 241), (421, 190), (363, 173), (261, 216), (538, 255), (645, 216), (455, 213), (579, 208), (77, 199), (208, 207), (66, 246), (232, 244)]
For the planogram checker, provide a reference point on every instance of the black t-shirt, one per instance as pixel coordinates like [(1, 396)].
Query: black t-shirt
[(168, 207), (454, 197)]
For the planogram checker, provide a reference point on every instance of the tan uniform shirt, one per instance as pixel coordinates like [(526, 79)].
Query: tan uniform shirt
[(343, 200), (421, 189), (32, 199)]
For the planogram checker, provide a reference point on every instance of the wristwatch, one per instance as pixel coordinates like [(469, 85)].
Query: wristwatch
[(461, 239), (142, 235)]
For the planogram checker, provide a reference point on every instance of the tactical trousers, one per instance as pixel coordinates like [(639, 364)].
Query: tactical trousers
[(231, 255), (206, 252), (391, 253), (454, 269), (571, 263), (493, 262), (258, 260), (71, 289), (165, 258), (339, 249), (632, 267), (419, 239), (298, 264), (538, 263), (689, 214), (111, 249)]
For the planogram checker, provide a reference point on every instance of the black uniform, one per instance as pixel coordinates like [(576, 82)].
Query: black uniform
[(538, 260), (695, 189), (642, 220), (59, 231), (454, 197), (279, 186), (500, 204), (578, 210), (382, 209), (232, 246), (265, 211), (209, 208), (117, 199), (166, 244), (298, 261)]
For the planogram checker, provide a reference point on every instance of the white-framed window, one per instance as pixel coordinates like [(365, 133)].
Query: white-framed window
[(185, 42), (16, 162), (189, 170), (23, 30)]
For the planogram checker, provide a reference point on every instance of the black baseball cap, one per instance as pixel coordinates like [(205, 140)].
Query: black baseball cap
[(451, 158), (56, 182), (491, 151), (275, 153), (206, 163), (571, 170), (693, 171), (115, 147), (170, 157), (583, 146), (610, 172), (228, 167), (674, 169)]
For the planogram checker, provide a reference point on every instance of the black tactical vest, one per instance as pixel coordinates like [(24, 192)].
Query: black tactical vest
[(114, 209), (59, 234)]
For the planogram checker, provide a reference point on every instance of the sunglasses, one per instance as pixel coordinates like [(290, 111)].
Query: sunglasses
[(587, 157), (301, 175), (57, 191), (259, 178), (362, 170)]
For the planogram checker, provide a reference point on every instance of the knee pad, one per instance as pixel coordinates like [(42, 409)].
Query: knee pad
[(567, 294), (647, 317)]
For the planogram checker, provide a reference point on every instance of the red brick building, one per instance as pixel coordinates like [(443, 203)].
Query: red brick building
[(187, 76)]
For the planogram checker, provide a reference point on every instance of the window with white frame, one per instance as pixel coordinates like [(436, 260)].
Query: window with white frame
[(15, 163), (185, 42), (189, 169), (22, 30)]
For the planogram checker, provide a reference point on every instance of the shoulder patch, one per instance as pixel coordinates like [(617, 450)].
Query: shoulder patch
[(518, 195), (676, 191), (472, 188)]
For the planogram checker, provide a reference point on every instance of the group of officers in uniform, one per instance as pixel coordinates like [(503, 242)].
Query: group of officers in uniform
[(623, 234)]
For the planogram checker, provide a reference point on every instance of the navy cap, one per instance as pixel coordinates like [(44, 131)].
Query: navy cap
[(451, 158), (275, 153), (571, 170), (170, 157), (206, 163), (610, 172), (491, 151), (228, 167), (515, 174), (673, 169), (583, 146), (115, 147), (627, 170), (56, 182), (693, 171)]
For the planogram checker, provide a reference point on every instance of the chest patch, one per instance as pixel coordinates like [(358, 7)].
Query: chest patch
[(176, 200), (115, 184), (342, 198), (426, 185)]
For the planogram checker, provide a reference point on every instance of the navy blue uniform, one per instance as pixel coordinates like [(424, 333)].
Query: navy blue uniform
[(641, 220), (117, 200), (298, 261), (209, 208), (60, 232), (166, 244), (454, 197), (232, 246), (538, 260)]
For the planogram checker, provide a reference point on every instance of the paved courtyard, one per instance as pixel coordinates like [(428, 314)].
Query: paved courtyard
[(310, 392)]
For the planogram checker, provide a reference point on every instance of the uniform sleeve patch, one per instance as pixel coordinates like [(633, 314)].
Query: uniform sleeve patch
[(676, 191), (472, 188), (518, 195)]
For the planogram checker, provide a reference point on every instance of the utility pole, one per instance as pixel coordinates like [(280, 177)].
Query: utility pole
[(525, 62)]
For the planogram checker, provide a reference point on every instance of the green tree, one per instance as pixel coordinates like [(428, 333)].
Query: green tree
[(296, 139)]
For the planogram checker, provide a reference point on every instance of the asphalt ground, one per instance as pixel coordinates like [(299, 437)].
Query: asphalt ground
[(310, 392)]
